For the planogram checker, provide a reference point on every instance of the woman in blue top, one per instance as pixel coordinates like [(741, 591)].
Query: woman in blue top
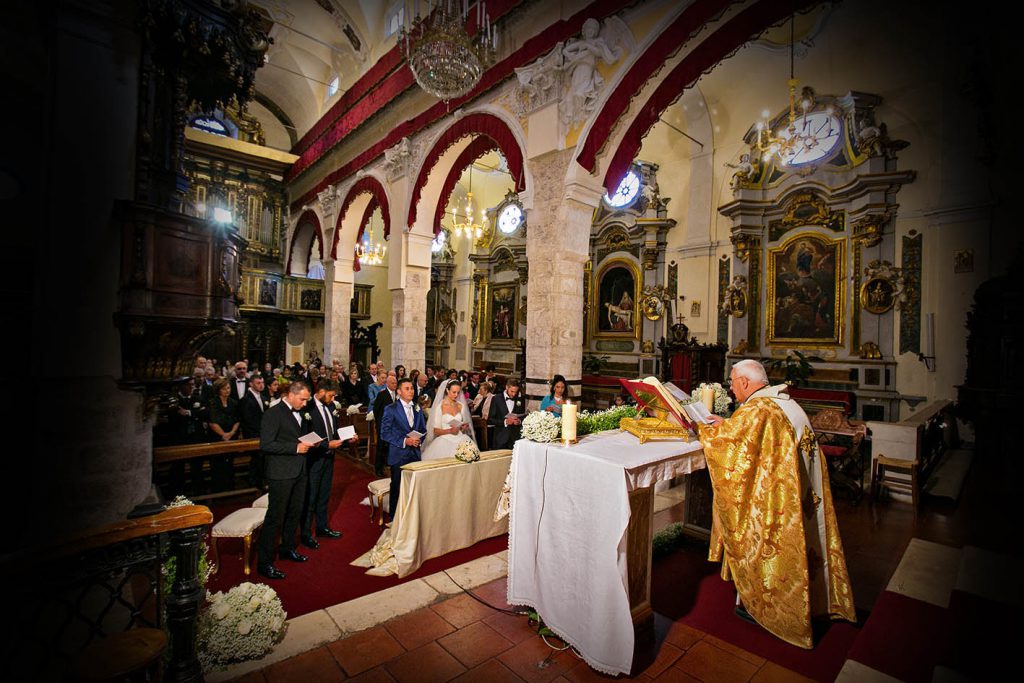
[(559, 395)]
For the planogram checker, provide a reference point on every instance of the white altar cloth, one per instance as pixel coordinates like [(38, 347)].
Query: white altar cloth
[(567, 534)]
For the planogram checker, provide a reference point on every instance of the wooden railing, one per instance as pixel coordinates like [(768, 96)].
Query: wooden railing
[(165, 454), (69, 593)]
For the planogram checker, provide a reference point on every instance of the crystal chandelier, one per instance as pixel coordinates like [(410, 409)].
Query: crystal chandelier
[(464, 224), (797, 137), (445, 61), (370, 252)]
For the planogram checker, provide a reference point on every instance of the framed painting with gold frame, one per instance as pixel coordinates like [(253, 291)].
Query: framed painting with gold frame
[(806, 291), (616, 298), (502, 317), (877, 295)]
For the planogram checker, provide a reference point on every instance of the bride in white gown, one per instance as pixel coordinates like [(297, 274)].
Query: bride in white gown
[(442, 437)]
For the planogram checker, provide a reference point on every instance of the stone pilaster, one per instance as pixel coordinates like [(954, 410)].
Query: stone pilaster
[(557, 248), (409, 282), (337, 309)]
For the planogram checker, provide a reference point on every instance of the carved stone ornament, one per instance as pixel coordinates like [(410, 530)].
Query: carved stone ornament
[(868, 231), (649, 258), (870, 350), (885, 288), (539, 83), (328, 198), (606, 42), (398, 159), (647, 346), (741, 348), (741, 245), (806, 208)]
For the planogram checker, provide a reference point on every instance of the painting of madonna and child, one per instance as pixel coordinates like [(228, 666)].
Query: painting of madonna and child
[(805, 291)]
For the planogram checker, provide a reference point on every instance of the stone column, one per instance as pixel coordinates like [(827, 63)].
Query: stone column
[(559, 217), (337, 309), (409, 282)]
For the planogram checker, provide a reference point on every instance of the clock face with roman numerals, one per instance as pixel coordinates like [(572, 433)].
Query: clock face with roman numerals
[(823, 131), (510, 219)]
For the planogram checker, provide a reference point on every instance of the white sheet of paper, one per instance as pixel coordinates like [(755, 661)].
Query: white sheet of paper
[(677, 393), (698, 412), (414, 433), (346, 433), (312, 438), (455, 421)]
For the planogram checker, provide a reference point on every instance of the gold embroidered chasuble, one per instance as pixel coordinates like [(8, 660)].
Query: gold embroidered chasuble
[(774, 528)]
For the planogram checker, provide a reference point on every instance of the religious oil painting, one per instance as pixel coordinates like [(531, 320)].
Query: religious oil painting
[(805, 291), (615, 312), (268, 293), (503, 312)]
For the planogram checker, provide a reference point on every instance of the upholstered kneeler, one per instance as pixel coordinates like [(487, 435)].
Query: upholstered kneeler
[(262, 502), (379, 489), (239, 524)]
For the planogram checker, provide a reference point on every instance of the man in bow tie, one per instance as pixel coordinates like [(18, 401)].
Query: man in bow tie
[(505, 416), (240, 382), (401, 419), (320, 467), (285, 458)]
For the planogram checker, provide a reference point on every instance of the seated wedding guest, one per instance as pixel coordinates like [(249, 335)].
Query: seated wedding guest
[(224, 426), (375, 388), (472, 386), (314, 377), (482, 403), (399, 371), (352, 391), (414, 375), (273, 392), (421, 385), (452, 374), (558, 396), (431, 382)]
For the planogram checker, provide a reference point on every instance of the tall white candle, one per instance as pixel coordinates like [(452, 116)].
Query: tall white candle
[(707, 397), (569, 421), (929, 335)]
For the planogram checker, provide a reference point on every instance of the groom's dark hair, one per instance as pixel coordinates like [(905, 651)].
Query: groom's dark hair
[(404, 380)]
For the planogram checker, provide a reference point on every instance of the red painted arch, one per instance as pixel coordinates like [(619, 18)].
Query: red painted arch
[(476, 149), (484, 125), (308, 216), (374, 187), (714, 48)]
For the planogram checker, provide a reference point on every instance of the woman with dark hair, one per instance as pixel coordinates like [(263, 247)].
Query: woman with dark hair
[(224, 426), (558, 396), (400, 372)]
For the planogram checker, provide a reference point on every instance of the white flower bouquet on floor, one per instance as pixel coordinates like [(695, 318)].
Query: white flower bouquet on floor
[(467, 451), (541, 426), (239, 625)]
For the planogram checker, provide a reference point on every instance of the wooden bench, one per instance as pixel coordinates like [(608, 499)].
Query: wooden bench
[(166, 455)]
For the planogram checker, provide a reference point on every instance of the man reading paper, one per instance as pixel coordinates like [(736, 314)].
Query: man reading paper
[(774, 528)]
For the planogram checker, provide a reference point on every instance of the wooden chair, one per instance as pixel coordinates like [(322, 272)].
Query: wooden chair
[(879, 477), (482, 437), (371, 443), (840, 443)]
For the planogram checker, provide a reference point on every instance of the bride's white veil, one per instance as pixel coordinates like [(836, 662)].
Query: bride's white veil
[(434, 418)]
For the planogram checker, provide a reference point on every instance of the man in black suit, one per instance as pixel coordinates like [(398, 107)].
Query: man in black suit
[(385, 398), (320, 467), (240, 382), (504, 409), (250, 413), (473, 385), (421, 388), (286, 475)]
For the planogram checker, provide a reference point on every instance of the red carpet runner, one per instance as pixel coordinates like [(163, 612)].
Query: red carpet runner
[(327, 578)]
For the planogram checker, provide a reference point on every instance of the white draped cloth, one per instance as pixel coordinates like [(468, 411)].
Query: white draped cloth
[(567, 535)]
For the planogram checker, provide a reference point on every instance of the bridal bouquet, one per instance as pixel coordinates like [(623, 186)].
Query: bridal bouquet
[(467, 451), (541, 426), (722, 400), (242, 624)]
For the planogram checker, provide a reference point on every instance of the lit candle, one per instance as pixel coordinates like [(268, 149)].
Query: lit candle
[(707, 396), (568, 422)]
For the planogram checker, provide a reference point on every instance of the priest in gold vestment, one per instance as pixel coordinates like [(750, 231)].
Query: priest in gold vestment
[(774, 528)]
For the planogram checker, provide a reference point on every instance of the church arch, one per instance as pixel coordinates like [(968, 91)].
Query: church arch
[(365, 195), (300, 252), (487, 132)]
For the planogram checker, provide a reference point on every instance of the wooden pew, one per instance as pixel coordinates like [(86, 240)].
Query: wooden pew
[(165, 455)]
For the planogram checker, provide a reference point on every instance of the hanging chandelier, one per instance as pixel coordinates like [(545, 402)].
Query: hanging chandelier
[(370, 252), (444, 59), (802, 135), (465, 224)]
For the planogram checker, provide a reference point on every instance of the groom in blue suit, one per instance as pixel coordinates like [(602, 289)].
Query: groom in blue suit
[(400, 418)]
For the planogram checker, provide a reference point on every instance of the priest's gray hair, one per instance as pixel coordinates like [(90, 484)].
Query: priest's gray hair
[(752, 370)]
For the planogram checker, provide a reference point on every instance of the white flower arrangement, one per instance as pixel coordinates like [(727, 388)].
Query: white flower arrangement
[(179, 501), (467, 451), (722, 400), (196, 404), (352, 410), (306, 416), (239, 625), (541, 426)]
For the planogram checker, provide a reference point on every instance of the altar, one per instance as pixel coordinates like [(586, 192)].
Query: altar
[(580, 535)]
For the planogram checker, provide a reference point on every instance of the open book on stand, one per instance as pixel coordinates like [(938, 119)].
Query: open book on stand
[(668, 419)]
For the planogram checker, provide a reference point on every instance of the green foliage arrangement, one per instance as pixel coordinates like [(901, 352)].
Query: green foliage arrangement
[(588, 422)]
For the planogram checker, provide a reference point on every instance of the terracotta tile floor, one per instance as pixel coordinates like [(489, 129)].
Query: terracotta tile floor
[(461, 639)]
